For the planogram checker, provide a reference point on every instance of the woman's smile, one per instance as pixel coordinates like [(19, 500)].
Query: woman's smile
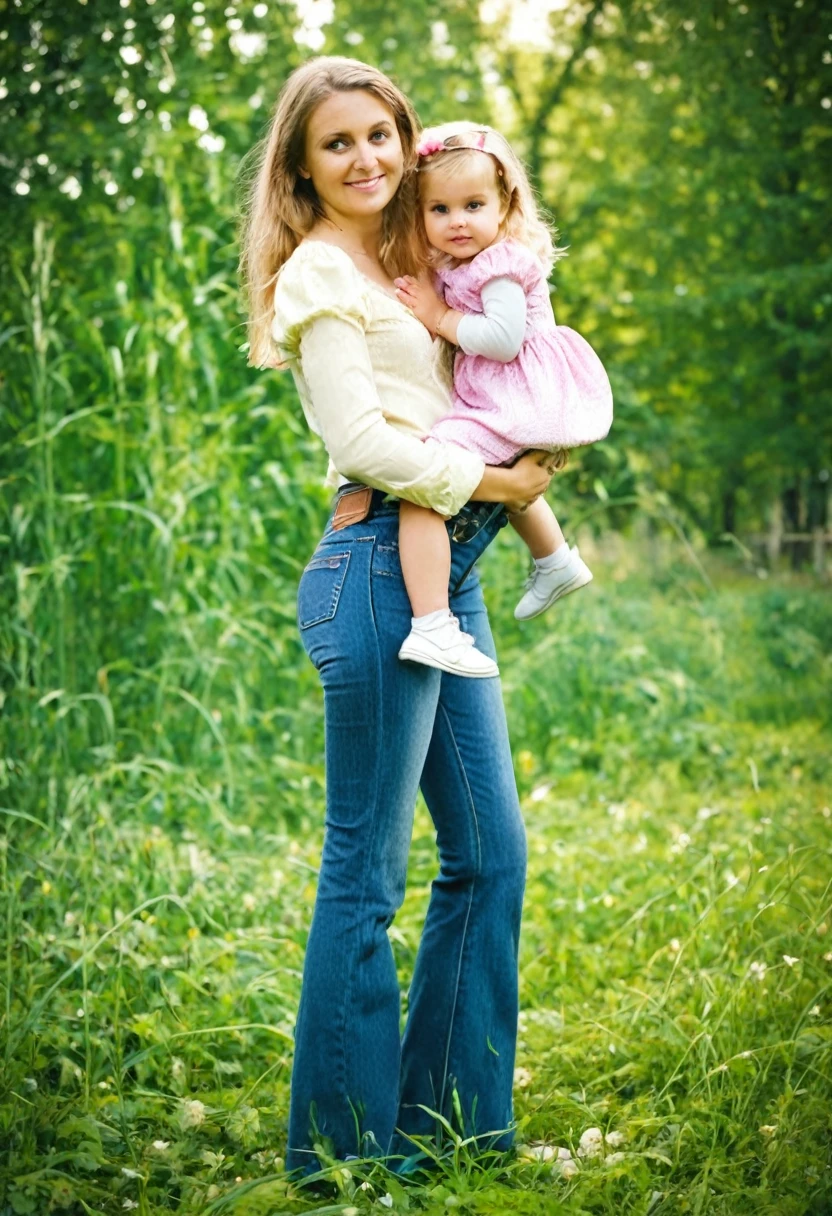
[(366, 184)]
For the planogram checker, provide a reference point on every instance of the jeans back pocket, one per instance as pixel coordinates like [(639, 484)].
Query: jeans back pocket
[(320, 588)]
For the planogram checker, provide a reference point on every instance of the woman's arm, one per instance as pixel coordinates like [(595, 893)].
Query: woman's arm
[(362, 444)]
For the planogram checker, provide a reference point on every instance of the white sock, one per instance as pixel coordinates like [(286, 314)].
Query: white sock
[(555, 560), (430, 620)]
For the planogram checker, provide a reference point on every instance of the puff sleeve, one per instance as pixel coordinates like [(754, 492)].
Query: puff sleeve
[(505, 260), (318, 280)]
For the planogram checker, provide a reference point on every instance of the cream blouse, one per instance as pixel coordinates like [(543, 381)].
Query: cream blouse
[(368, 380)]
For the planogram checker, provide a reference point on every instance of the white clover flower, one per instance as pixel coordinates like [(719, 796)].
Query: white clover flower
[(129, 1205), (768, 1129), (160, 1146), (591, 1142), (565, 1167), (614, 1139), (814, 1012), (757, 971), (614, 1158), (249, 901), (675, 945), (522, 1077), (790, 960), (680, 843), (192, 1113), (538, 1152), (130, 54)]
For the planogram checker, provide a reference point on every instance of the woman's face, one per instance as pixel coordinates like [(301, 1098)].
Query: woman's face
[(353, 155)]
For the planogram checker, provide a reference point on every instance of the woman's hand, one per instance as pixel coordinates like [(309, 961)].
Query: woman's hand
[(423, 300), (519, 486), (532, 472)]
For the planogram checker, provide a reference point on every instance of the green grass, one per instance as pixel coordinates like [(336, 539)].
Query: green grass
[(672, 749)]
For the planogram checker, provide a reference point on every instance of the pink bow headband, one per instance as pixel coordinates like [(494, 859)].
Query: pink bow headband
[(479, 141)]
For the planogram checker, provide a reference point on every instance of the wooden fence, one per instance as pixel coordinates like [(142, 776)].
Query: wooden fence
[(774, 542)]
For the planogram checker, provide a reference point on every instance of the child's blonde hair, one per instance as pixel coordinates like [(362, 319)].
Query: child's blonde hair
[(453, 146), (282, 206)]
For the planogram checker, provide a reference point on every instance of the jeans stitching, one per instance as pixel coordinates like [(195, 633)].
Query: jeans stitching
[(441, 709)]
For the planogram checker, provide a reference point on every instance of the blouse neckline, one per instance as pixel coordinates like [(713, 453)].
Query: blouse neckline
[(389, 294)]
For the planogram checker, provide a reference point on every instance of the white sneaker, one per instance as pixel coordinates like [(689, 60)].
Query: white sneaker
[(543, 587), (445, 646)]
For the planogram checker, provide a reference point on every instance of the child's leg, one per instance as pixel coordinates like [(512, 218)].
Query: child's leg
[(425, 553), (558, 570), (539, 528), (435, 638)]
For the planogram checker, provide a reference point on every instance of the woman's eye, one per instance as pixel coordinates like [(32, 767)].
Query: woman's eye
[(379, 136), (336, 145)]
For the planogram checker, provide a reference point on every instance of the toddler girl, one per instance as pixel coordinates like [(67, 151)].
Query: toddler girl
[(520, 380)]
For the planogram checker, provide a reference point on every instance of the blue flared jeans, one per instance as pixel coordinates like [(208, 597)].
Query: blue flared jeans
[(392, 727)]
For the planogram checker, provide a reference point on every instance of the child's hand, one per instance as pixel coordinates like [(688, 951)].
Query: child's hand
[(423, 300)]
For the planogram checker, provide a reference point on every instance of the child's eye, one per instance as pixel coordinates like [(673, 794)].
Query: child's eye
[(440, 208), (474, 206)]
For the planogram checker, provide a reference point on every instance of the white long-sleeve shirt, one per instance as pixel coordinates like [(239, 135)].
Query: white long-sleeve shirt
[(368, 379), (499, 331)]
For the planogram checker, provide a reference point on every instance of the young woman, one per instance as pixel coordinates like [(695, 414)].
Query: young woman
[(331, 223)]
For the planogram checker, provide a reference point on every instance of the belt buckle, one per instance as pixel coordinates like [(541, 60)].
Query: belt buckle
[(475, 518)]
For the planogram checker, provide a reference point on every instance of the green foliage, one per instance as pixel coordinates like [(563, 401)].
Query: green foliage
[(161, 764)]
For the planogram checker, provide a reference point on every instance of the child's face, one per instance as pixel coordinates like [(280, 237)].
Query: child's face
[(462, 209)]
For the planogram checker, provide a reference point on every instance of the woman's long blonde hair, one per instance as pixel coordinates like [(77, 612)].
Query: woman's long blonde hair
[(453, 145), (281, 206)]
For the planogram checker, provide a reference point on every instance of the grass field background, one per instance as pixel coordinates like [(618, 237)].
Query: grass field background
[(671, 728)]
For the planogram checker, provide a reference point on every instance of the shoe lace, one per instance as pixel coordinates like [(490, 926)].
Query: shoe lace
[(467, 638)]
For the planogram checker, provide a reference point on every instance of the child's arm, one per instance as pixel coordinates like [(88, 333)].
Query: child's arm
[(497, 333)]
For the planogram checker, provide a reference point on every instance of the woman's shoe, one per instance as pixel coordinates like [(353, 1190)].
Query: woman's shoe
[(545, 586), (445, 646)]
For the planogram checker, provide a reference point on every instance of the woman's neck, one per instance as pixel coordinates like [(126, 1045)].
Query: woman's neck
[(362, 237), (361, 241)]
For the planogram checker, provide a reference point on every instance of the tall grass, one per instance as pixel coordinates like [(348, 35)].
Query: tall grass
[(161, 795)]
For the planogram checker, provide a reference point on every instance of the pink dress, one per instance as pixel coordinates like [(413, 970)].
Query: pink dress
[(554, 394)]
